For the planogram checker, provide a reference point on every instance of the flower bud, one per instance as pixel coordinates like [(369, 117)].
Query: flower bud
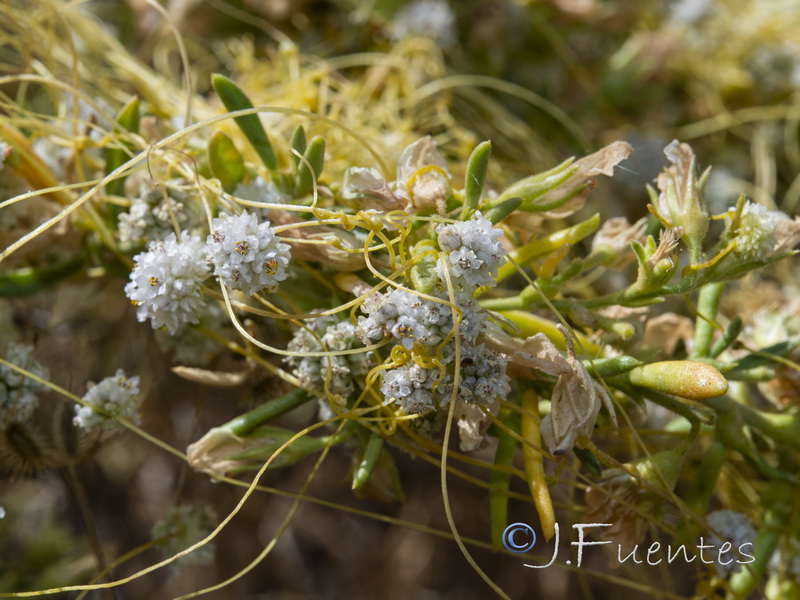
[(680, 201), (220, 451)]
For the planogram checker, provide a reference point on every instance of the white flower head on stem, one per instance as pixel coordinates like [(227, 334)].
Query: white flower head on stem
[(312, 371), (475, 253), (755, 237), (729, 526), (412, 386), (410, 319), (18, 394), (429, 18), (155, 212), (762, 233), (246, 254), (482, 376), (115, 396), (166, 280)]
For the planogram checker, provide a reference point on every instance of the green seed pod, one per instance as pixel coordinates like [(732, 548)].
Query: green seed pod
[(685, 378), (539, 247), (264, 442)]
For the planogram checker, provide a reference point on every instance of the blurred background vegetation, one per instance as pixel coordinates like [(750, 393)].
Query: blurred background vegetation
[(544, 80)]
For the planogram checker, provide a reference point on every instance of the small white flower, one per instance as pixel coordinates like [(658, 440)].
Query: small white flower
[(474, 252), (150, 216), (429, 18), (5, 150), (115, 397), (313, 370), (18, 394), (367, 187), (482, 380), (246, 254), (785, 560), (166, 280), (756, 232), (190, 346), (410, 319), (411, 386), (734, 527), (482, 377), (261, 190)]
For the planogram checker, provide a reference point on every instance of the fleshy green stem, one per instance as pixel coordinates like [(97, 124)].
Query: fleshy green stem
[(781, 496), (707, 306), (266, 412), (542, 246), (501, 479), (783, 429), (372, 451)]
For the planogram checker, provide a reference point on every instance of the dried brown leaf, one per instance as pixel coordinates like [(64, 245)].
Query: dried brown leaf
[(601, 162), (665, 331), (576, 398)]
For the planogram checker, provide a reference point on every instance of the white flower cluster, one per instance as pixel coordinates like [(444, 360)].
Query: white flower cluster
[(756, 232), (410, 319), (5, 150), (430, 18), (421, 326), (18, 394), (785, 560), (412, 386), (165, 282), (734, 527), (246, 254), (115, 397), (190, 346), (312, 371), (474, 252), (261, 190), (150, 216), (482, 377), (182, 527)]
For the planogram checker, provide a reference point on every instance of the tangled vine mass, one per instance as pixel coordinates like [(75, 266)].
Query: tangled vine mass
[(338, 237)]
